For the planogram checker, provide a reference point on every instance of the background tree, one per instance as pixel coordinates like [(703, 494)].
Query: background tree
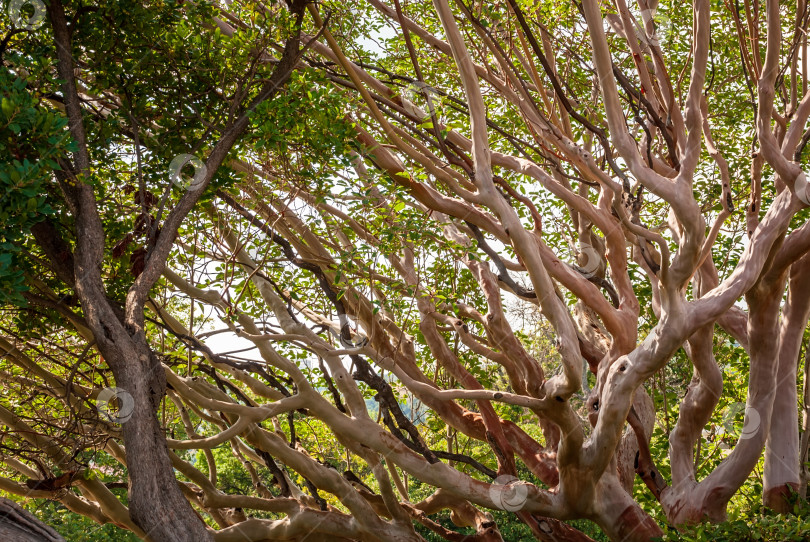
[(298, 271)]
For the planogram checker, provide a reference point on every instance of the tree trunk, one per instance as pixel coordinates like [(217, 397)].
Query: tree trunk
[(782, 462), (619, 516), (18, 525), (156, 503)]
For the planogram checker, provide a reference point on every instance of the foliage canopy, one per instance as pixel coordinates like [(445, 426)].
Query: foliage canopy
[(405, 270)]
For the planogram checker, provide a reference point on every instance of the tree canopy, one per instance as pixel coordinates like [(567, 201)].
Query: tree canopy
[(405, 270)]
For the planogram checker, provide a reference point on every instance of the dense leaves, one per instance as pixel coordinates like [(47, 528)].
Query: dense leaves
[(349, 251)]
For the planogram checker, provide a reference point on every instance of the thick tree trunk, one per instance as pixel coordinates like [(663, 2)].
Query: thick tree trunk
[(619, 516), (781, 476), (782, 462), (689, 501), (18, 525), (156, 503)]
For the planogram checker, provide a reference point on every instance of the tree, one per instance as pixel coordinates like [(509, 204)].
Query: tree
[(450, 257)]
